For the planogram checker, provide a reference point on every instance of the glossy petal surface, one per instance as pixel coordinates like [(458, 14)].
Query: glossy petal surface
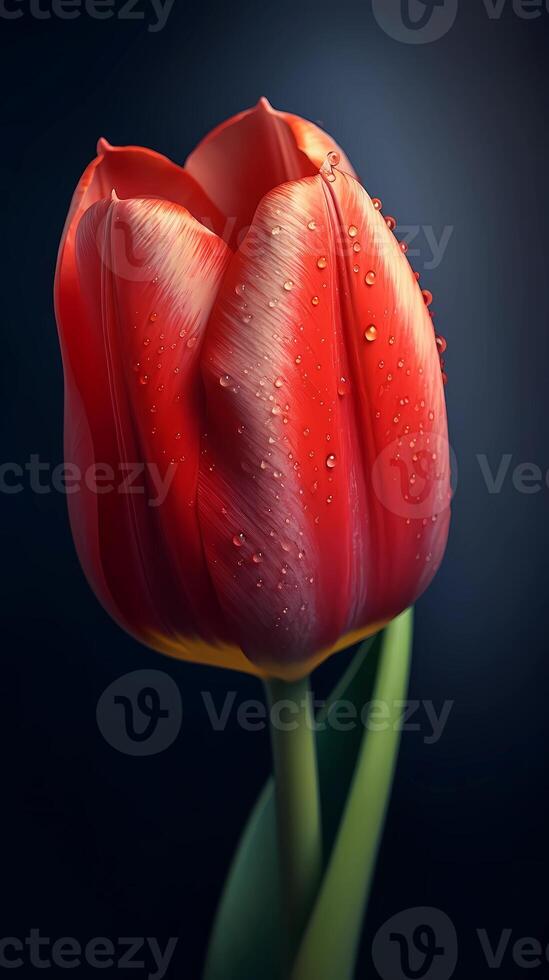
[(324, 490), (133, 310)]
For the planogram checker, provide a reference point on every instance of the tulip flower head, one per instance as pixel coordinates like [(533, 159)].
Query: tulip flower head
[(245, 340)]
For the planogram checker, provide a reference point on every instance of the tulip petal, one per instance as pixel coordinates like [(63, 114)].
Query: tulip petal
[(250, 154), (131, 318), (134, 171), (324, 488)]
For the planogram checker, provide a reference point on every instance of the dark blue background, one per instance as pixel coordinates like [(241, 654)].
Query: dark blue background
[(451, 133)]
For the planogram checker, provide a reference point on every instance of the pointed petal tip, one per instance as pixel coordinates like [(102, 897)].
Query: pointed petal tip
[(114, 197), (103, 146), (264, 104)]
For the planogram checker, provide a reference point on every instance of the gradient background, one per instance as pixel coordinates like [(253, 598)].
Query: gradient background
[(449, 133)]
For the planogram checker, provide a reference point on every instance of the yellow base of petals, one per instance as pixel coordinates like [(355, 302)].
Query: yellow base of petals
[(231, 657)]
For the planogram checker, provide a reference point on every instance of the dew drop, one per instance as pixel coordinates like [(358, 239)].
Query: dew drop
[(333, 158), (144, 379), (239, 539), (353, 231), (370, 333), (322, 262), (273, 303), (311, 225), (276, 230), (356, 247), (441, 343), (224, 381), (240, 288), (315, 300), (146, 342), (390, 222), (356, 268), (370, 278), (427, 296), (342, 387), (279, 382), (257, 558), (330, 461), (153, 317), (377, 203), (288, 285)]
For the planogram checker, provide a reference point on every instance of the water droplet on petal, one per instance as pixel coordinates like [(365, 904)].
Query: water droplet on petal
[(257, 558), (224, 381), (311, 225), (330, 461), (153, 317), (144, 379), (403, 247), (276, 230), (239, 539), (353, 231), (441, 343), (240, 288), (322, 262), (427, 296), (315, 300), (333, 158), (370, 333), (370, 278), (390, 222), (377, 203), (288, 285), (279, 382)]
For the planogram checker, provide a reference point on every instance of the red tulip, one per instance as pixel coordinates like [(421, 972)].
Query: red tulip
[(249, 331)]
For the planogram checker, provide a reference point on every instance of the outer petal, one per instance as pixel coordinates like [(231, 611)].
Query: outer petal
[(325, 489), (250, 154), (134, 171), (132, 308)]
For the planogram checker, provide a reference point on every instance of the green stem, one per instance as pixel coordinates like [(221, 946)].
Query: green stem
[(331, 938), (297, 803)]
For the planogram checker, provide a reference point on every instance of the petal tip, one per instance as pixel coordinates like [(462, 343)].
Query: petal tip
[(103, 146), (263, 103)]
